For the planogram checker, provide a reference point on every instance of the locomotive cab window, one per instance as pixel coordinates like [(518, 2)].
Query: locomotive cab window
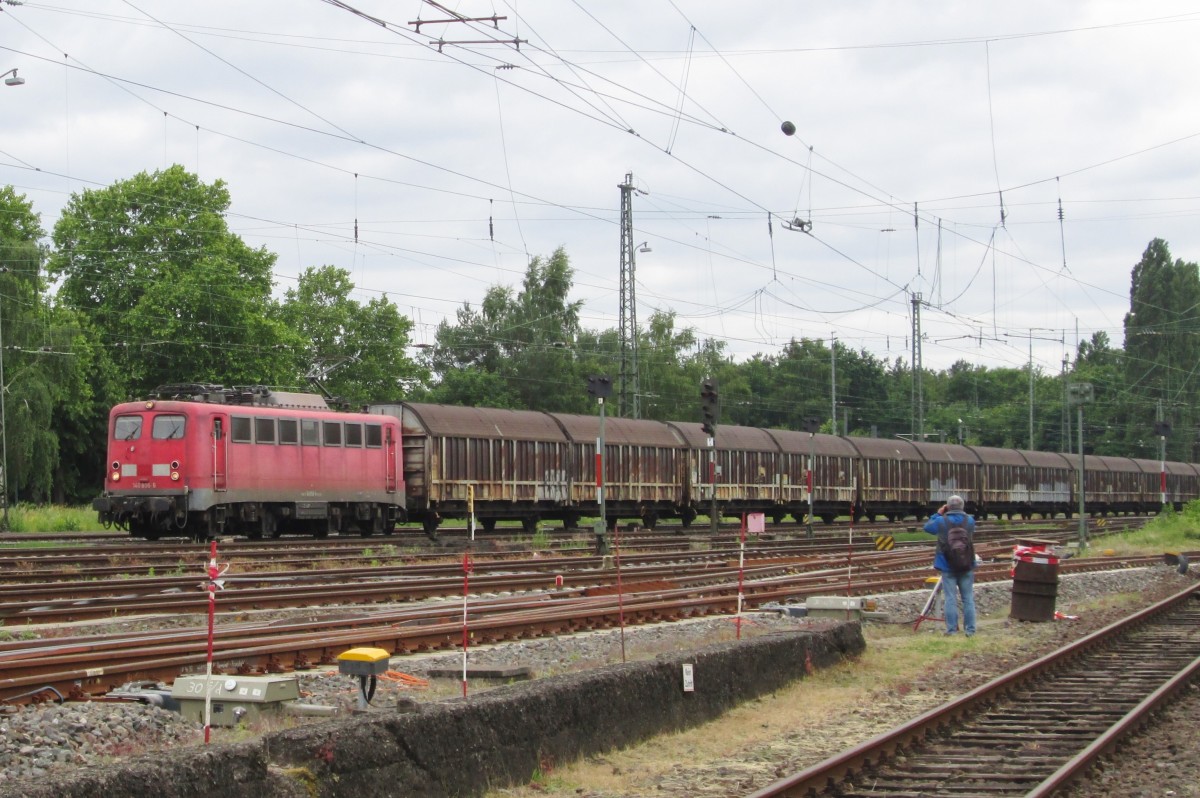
[(310, 433), (240, 429), (264, 430), (289, 431), (374, 436), (354, 434), (333, 433), (167, 428), (127, 428)]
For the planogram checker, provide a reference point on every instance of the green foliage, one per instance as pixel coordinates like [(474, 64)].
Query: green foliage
[(524, 341), (171, 293), (361, 346)]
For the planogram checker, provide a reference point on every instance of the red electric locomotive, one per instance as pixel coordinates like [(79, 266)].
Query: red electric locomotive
[(202, 460)]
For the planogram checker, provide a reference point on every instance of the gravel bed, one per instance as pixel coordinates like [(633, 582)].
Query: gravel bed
[(37, 738)]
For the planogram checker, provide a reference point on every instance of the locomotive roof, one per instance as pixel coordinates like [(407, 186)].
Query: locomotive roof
[(259, 395)]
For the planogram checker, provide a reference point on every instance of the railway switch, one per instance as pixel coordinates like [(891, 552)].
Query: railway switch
[(366, 664), (234, 698)]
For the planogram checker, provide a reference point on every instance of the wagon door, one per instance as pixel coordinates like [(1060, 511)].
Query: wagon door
[(220, 461)]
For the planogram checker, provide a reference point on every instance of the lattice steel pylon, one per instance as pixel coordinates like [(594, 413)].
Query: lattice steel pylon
[(627, 397)]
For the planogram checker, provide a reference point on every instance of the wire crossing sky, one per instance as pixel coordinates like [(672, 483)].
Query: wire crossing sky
[(1008, 164)]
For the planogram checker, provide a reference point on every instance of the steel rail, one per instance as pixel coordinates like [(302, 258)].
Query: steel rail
[(879, 751)]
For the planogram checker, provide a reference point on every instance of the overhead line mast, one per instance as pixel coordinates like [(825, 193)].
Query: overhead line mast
[(627, 399)]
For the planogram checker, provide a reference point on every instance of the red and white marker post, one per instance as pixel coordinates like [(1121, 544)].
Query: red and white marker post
[(468, 566), (215, 583), (755, 523)]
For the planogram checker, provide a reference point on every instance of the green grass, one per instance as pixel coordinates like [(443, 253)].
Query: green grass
[(51, 518), (1171, 531)]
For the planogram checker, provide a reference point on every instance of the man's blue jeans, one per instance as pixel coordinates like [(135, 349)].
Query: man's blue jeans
[(953, 586)]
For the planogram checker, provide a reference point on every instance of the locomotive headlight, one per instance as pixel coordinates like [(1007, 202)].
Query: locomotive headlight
[(116, 476), (174, 476), (116, 466), (174, 465)]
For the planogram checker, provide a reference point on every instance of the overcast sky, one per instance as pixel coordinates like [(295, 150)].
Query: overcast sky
[(461, 161)]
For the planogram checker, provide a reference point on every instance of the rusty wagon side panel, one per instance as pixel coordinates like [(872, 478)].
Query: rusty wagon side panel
[(644, 465), (517, 462), (833, 473)]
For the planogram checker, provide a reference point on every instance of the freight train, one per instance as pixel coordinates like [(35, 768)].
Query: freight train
[(202, 460)]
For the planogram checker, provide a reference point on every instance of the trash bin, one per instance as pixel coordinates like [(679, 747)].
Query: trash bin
[(1034, 581)]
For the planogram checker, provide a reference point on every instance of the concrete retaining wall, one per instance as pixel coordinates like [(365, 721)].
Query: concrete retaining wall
[(465, 746)]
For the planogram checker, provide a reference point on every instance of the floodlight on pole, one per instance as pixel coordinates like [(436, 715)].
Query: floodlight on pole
[(11, 78)]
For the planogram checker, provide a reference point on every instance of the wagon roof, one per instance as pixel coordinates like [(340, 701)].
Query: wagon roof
[(451, 421), (1155, 467), (1095, 462), (728, 437), (885, 448), (586, 429), (995, 456), (793, 442), (1046, 459), (947, 453)]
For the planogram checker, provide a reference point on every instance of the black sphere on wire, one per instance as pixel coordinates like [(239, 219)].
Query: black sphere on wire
[(788, 128)]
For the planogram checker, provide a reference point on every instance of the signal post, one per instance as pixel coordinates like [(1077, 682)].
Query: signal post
[(710, 412)]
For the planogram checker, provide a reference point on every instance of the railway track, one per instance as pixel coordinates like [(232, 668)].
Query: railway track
[(1029, 732), (94, 664)]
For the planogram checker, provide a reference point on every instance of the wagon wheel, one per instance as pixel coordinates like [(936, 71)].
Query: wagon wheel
[(529, 524), (650, 520), (430, 525), (489, 524), (686, 516)]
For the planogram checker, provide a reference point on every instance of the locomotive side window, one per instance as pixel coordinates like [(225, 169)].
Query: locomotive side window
[(353, 434), (310, 433), (289, 431), (241, 429), (127, 428), (264, 430), (374, 436), (333, 433), (167, 428)]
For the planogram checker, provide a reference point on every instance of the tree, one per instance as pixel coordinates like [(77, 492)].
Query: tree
[(363, 347), (152, 266), (1162, 343), (50, 409), (527, 339)]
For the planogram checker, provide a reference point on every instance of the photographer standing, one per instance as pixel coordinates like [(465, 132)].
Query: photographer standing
[(955, 561)]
